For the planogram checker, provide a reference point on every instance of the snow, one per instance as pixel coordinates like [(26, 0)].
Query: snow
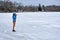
[(31, 26)]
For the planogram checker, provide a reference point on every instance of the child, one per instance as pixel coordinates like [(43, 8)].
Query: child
[(14, 21)]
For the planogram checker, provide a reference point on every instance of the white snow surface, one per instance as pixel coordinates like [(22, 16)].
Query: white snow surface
[(31, 26)]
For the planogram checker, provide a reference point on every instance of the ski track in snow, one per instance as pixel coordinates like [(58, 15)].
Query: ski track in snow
[(31, 26)]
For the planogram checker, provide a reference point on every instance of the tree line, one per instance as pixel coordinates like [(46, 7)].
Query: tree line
[(9, 6)]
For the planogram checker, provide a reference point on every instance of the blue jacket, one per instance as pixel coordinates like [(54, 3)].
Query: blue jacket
[(14, 17)]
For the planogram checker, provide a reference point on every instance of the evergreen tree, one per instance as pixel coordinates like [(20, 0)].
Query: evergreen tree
[(39, 8), (43, 7)]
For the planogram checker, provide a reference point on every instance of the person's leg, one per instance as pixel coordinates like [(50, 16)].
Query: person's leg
[(14, 23)]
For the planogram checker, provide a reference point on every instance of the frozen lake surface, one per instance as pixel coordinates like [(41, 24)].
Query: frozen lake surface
[(31, 26)]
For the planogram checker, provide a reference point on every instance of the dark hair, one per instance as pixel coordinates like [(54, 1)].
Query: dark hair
[(14, 14)]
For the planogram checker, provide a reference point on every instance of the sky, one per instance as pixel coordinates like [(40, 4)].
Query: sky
[(36, 2)]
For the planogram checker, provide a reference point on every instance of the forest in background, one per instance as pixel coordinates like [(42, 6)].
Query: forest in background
[(9, 6)]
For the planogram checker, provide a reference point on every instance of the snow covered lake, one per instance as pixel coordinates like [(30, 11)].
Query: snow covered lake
[(31, 26)]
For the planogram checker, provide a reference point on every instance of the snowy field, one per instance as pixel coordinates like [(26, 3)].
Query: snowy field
[(31, 26)]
